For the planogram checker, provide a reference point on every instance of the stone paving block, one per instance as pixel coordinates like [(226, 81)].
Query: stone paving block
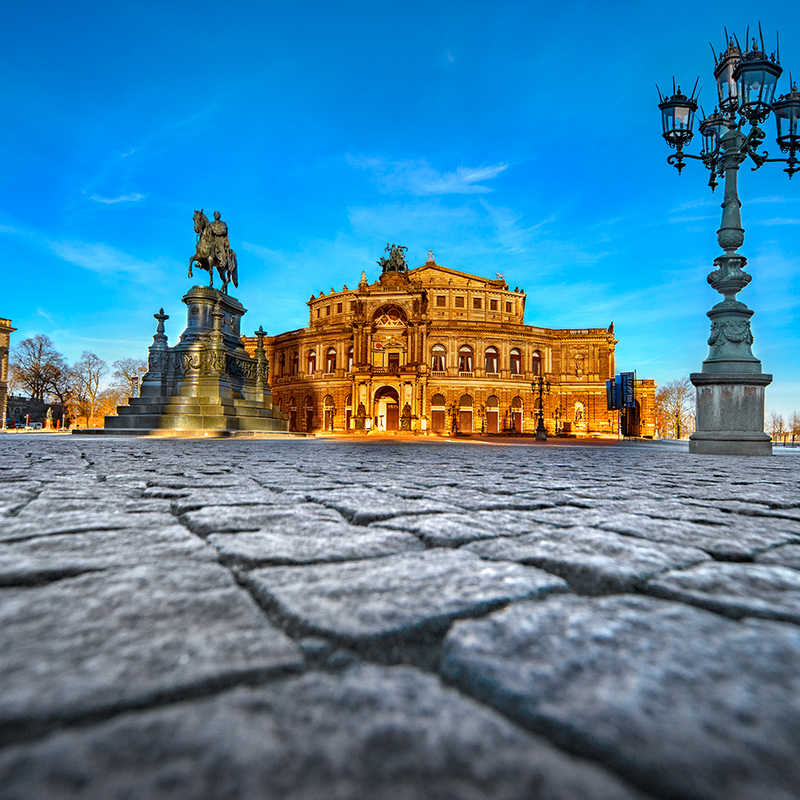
[(729, 543), (452, 530), (284, 518), (396, 594), (13, 498), (736, 590), (484, 500), (105, 641), (787, 555), (46, 505), (362, 506), (377, 733), (243, 495), (329, 541), (683, 702), (45, 558), (592, 561), (111, 519)]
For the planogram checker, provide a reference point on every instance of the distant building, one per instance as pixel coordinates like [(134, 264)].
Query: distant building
[(5, 345), (441, 351)]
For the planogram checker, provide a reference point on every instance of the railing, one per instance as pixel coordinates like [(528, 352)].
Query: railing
[(438, 374), (492, 374), (466, 374)]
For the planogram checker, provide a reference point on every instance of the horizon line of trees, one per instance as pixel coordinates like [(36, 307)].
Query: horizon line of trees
[(83, 390)]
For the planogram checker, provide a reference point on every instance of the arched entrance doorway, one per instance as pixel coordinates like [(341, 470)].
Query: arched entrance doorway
[(516, 414), (292, 414), (465, 406), (438, 414), (387, 409), (492, 415), (308, 411), (328, 410)]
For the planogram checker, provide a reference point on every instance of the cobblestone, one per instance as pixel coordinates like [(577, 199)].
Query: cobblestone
[(396, 619)]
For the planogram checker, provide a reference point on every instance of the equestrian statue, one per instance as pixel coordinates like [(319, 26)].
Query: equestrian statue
[(214, 250)]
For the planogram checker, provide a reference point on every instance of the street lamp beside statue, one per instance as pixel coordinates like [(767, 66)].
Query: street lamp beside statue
[(730, 388)]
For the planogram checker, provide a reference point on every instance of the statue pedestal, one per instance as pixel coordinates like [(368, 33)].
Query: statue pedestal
[(730, 414), (207, 382)]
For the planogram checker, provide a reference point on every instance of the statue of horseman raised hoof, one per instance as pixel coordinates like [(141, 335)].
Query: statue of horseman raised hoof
[(214, 250)]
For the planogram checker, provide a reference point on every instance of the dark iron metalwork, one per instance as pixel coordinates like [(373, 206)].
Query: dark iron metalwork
[(540, 387), (746, 82)]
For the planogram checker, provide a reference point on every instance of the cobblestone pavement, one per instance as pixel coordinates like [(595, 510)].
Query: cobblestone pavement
[(333, 619)]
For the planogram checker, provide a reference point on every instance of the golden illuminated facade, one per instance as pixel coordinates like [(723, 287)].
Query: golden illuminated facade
[(435, 350)]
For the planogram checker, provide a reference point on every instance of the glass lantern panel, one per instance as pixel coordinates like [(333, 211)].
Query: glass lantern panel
[(726, 85), (668, 119), (787, 119), (683, 118)]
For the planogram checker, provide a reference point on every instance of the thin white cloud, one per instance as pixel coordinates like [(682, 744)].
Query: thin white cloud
[(773, 199), (100, 258), (692, 219), (780, 221), (41, 312), (694, 204), (129, 153), (124, 198), (419, 178)]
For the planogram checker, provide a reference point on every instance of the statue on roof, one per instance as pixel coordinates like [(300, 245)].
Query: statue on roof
[(396, 261)]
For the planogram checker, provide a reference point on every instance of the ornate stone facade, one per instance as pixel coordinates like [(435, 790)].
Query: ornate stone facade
[(5, 345), (435, 350)]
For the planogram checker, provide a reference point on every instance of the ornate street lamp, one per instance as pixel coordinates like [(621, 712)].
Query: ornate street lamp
[(541, 387), (730, 388)]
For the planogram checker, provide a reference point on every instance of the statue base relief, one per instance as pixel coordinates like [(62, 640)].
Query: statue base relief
[(206, 384)]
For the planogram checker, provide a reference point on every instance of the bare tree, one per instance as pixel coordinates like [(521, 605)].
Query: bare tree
[(775, 425), (674, 408), (126, 372), (794, 426), (38, 369), (87, 374)]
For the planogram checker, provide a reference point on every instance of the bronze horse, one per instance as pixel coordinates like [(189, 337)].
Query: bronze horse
[(207, 257)]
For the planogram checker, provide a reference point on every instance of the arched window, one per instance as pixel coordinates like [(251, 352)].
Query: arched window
[(491, 360), (516, 362), (312, 361), (438, 401), (465, 358), (330, 360), (536, 363), (466, 401), (282, 365), (438, 358), (295, 363), (350, 360)]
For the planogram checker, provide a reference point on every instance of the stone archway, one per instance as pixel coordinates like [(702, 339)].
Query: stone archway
[(492, 414), (387, 409)]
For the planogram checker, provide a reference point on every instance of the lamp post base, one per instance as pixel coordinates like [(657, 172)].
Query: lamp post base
[(730, 414)]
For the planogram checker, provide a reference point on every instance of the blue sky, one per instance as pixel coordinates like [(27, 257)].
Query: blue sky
[(511, 137)]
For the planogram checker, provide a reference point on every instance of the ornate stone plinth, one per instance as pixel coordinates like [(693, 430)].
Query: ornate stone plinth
[(207, 382), (730, 414)]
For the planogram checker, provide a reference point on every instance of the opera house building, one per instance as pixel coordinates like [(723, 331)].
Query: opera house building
[(435, 350)]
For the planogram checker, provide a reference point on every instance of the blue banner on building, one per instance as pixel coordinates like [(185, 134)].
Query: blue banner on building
[(613, 393), (628, 383)]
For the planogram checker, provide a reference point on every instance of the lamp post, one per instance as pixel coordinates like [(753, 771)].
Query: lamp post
[(730, 388), (541, 387)]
